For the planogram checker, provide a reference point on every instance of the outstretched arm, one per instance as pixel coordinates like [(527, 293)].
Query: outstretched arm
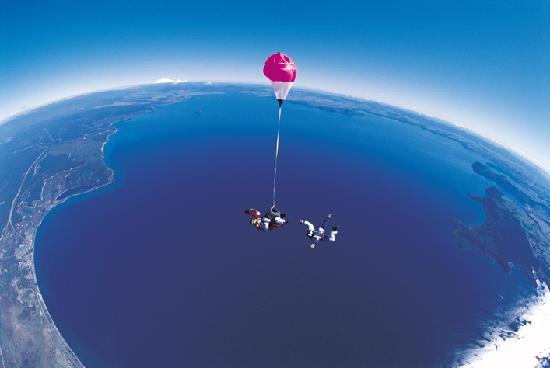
[(326, 220), (309, 225)]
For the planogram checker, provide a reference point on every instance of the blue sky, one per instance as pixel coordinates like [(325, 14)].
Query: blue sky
[(481, 64)]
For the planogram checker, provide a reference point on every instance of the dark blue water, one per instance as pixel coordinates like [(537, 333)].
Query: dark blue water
[(162, 268)]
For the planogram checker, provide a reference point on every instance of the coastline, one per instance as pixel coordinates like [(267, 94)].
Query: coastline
[(67, 357), (68, 200), (29, 336)]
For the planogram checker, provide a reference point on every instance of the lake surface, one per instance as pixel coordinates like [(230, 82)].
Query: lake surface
[(162, 269)]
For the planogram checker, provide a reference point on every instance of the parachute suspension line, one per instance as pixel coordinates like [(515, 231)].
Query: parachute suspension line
[(277, 153)]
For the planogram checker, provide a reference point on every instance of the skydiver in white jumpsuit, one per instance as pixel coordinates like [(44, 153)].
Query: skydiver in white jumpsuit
[(319, 235)]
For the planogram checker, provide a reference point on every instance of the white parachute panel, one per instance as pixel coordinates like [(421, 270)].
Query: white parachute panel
[(281, 89)]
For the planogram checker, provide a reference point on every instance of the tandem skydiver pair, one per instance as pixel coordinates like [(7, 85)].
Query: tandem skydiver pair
[(281, 70)]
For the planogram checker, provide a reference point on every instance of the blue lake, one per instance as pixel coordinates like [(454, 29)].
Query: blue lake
[(162, 269)]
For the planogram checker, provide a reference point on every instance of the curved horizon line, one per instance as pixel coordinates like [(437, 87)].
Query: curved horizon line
[(517, 152)]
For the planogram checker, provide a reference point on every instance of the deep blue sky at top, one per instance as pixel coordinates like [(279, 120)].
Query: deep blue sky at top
[(481, 64)]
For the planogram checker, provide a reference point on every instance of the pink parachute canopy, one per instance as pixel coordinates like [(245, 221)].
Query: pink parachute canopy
[(280, 68)]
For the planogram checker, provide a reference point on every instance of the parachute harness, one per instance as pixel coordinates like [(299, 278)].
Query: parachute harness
[(276, 155)]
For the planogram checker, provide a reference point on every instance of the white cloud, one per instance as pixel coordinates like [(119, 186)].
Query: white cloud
[(521, 349), (169, 80)]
